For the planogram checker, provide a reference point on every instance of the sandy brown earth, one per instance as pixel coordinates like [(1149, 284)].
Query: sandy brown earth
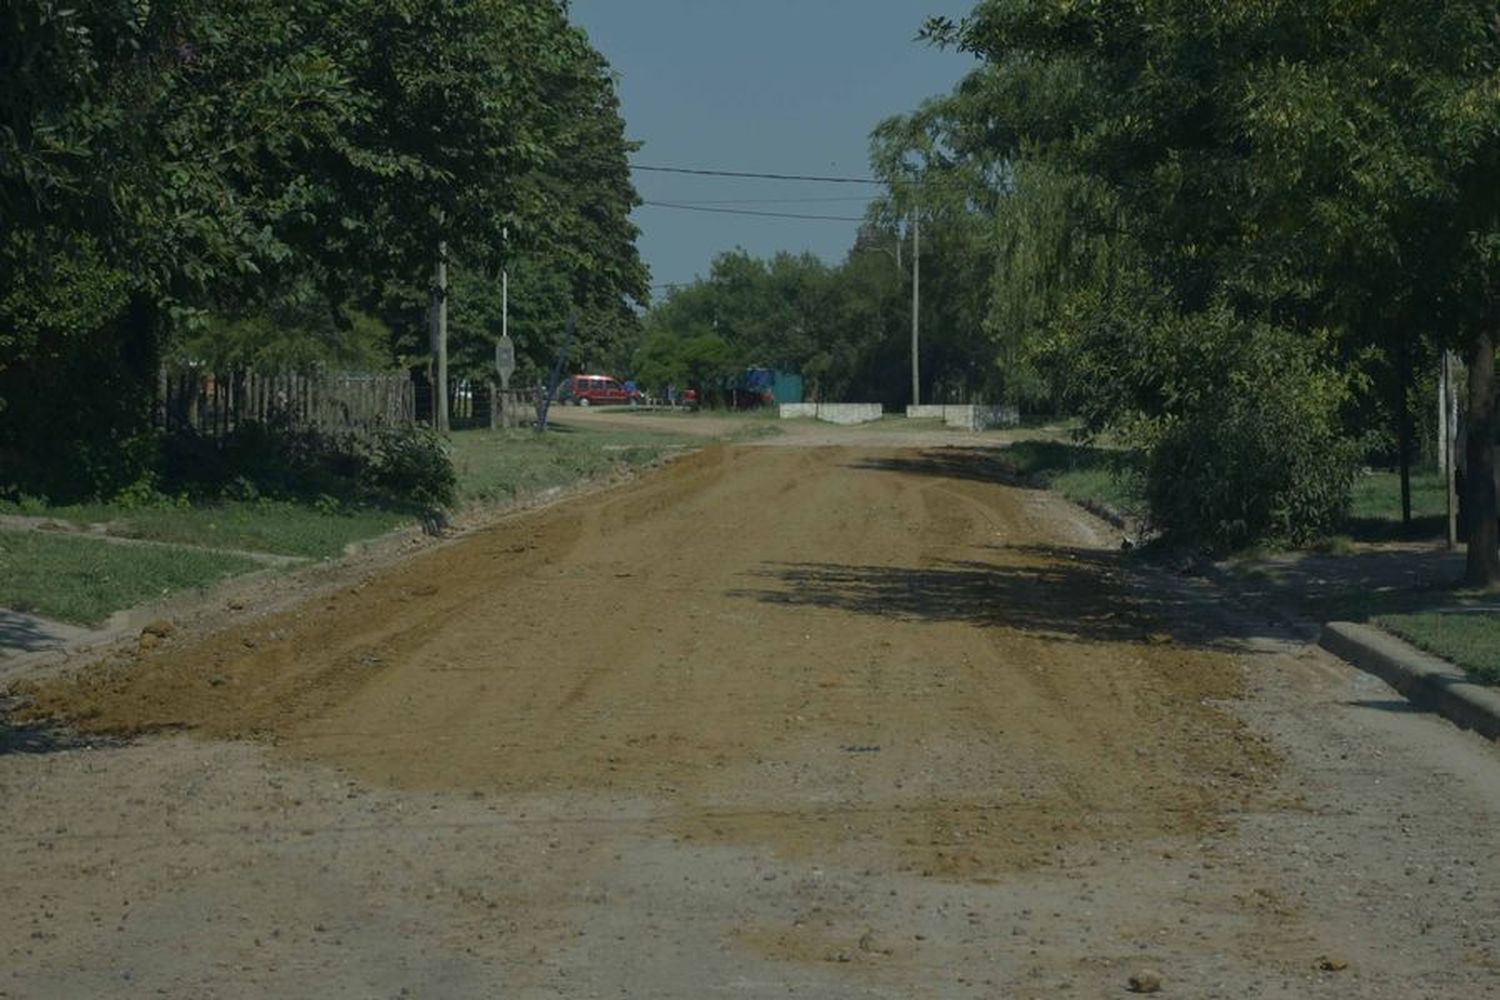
[(846, 716)]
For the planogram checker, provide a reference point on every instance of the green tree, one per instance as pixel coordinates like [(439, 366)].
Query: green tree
[(164, 163), (1311, 166), (129, 136)]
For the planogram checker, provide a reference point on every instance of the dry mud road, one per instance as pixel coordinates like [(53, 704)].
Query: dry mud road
[(835, 717)]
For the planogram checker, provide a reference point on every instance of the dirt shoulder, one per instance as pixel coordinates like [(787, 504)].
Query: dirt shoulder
[(846, 718)]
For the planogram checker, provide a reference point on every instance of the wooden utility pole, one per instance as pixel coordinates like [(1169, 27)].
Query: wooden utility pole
[(440, 341), (916, 303)]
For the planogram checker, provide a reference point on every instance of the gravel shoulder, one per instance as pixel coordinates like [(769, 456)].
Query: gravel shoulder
[(827, 717)]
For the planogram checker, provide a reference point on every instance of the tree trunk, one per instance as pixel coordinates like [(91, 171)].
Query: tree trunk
[(1483, 567), (1403, 425)]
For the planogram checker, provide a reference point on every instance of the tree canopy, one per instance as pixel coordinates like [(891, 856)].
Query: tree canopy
[(165, 163), (1214, 201)]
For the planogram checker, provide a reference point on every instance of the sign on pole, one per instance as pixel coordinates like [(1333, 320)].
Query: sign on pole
[(505, 361)]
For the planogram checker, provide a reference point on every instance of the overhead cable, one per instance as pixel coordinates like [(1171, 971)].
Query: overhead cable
[(700, 172), (745, 211), (812, 178)]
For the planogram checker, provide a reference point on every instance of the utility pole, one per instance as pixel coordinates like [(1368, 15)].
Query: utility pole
[(440, 341), (505, 350), (916, 302)]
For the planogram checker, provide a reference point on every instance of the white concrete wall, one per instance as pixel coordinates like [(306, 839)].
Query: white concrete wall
[(966, 416), (986, 417), (834, 413)]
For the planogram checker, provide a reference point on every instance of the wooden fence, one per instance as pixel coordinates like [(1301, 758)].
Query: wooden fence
[(215, 403)]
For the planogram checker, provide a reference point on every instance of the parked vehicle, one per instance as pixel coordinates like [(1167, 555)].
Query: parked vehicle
[(596, 390), (757, 387)]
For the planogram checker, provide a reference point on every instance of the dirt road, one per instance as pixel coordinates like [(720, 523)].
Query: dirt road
[(826, 718)]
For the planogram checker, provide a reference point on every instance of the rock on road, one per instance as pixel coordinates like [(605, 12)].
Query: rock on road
[(835, 718)]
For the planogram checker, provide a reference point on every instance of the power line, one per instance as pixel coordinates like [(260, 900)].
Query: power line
[(745, 211), (923, 182), (700, 172), (775, 201)]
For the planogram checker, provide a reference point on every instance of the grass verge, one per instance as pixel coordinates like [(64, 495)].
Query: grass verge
[(1375, 507), (84, 580), (1470, 639), (1082, 473), (282, 527), (499, 466)]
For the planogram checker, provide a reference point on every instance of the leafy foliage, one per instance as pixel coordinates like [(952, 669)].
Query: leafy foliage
[(413, 464), (269, 182), (1194, 190), (846, 329), (1253, 449)]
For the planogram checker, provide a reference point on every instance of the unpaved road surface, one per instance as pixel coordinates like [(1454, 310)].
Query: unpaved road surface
[(832, 716)]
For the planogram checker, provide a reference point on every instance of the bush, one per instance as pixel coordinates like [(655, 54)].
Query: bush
[(272, 459), (413, 464), (1254, 451), (276, 460)]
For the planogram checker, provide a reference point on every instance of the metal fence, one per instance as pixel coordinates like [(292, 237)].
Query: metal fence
[(214, 404)]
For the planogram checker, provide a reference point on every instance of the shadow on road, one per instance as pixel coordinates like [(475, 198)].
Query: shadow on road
[(44, 740), (25, 634), (976, 464), (1058, 592), (1356, 586)]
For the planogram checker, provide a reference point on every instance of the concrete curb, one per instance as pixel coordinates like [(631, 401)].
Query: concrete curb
[(1424, 679)]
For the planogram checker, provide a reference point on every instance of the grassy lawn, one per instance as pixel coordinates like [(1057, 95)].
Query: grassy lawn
[(83, 580), (276, 526), (1375, 506), (1471, 639), (1082, 473), (496, 466)]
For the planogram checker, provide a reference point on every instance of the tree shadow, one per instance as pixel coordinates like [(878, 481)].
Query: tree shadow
[(975, 464), (1048, 591), (1357, 586), (1433, 528), (21, 633), (45, 739)]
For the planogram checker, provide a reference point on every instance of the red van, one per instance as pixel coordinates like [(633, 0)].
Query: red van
[(593, 390)]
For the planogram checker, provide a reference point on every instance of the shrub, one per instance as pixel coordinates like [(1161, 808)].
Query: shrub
[(413, 464), (273, 459), (1254, 451)]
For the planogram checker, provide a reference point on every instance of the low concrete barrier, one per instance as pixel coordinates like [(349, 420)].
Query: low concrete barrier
[(967, 416), (1424, 679), (833, 413)]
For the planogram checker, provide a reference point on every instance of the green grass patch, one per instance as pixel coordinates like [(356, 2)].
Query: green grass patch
[(1470, 639), (85, 580), (496, 466), (1375, 506), (1082, 473), (729, 425), (282, 527)]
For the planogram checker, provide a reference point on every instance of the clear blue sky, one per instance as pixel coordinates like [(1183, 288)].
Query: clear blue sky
[(775, 86)]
